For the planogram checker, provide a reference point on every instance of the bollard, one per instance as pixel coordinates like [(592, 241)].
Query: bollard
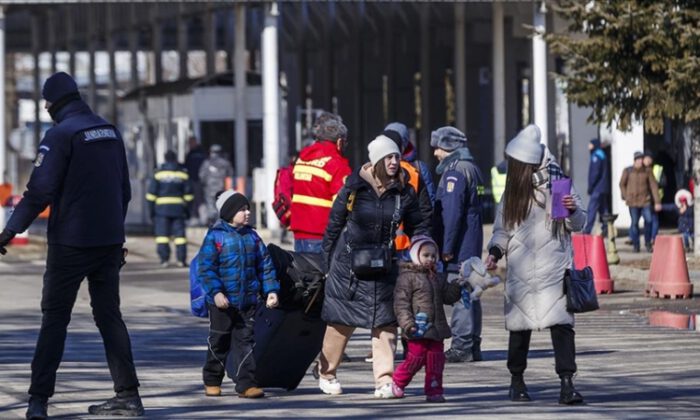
[(612, 256)]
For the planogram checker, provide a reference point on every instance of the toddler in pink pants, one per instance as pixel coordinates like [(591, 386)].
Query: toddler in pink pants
[(418, 304)]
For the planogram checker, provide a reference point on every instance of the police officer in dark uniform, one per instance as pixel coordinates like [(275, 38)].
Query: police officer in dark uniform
[(81, 171), (170, 196)]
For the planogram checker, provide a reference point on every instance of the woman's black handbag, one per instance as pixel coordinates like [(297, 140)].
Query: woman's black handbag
[(372, 262), (580, 290)]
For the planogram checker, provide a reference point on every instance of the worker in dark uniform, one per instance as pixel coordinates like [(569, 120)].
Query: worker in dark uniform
[(81, 171), (170, 197)]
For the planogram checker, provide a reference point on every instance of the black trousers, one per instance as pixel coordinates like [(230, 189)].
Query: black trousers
[(564, 350), (66, 267), (230, 330)]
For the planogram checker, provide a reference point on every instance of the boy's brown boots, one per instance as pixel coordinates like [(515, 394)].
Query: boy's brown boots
[(252, 392), (212, 391)]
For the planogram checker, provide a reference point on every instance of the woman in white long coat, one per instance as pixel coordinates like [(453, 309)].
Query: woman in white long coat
[(538, 250)]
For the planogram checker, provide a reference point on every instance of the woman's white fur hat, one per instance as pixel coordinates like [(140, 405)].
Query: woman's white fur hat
[(526, 146)]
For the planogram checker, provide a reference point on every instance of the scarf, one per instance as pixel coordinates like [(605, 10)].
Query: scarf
[(548, 171)]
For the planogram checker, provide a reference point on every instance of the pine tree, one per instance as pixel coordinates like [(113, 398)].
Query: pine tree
[(634, 60)]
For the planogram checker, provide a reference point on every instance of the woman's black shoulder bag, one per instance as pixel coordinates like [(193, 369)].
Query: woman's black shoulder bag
[(373, 262), (580, 290)]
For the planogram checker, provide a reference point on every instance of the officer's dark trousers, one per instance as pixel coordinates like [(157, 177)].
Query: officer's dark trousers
[(165, 228), (66, 267), (597, 204), (230, 330), (564, 350)]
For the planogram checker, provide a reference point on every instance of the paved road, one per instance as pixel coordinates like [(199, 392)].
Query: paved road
[(627, 369)]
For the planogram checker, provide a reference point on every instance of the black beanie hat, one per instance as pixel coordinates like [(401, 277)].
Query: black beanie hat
[(57, 86), (229, 203), (59, 89)]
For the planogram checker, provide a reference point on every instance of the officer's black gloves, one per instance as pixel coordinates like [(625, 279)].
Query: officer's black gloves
[(5, 238)]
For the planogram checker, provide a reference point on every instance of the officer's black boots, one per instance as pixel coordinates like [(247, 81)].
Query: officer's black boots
[(569, 395), (518, 390), (37, 409), (119, 406)]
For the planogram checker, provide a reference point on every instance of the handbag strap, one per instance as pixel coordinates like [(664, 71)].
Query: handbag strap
[(395, 219)]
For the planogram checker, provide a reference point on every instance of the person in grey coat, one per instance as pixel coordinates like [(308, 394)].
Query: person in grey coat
[(538, 250), (212, 175)]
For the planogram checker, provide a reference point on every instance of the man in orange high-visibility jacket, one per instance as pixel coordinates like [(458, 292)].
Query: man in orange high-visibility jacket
[(319, 173)]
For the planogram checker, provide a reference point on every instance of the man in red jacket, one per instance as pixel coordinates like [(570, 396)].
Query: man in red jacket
[(319, 173)]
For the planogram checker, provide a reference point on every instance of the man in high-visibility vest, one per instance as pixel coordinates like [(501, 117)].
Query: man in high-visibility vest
[(498, 181), (658, 172), (319, 173), (169, 196)]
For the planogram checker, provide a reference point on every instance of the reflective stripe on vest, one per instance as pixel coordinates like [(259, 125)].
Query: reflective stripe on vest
[(169, 200), (311, 201), (402, 240), (498, 184)]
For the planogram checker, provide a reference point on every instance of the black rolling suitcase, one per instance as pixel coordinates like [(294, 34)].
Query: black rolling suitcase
[(288, 338), (286, 342)]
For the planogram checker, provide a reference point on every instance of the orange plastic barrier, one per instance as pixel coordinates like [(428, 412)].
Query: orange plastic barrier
[(668, 274), (589, 250)]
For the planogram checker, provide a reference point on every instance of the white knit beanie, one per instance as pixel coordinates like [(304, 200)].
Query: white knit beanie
[(417, 242), (526, 146), (380, 147)]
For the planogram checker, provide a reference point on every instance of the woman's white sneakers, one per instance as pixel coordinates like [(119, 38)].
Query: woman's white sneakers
[(387, 391), (330, 386)]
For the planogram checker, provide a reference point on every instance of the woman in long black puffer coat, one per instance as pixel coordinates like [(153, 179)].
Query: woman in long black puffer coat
[(362, 215)]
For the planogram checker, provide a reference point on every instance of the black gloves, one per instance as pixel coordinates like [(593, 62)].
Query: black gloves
[(5, 238)]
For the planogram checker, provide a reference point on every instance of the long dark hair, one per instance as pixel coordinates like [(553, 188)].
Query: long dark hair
[(384, 178), (519, 193)]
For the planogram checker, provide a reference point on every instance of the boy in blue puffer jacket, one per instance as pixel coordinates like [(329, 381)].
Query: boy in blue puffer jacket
[(235, 271)]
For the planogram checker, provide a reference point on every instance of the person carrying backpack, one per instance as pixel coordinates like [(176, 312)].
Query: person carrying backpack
[(235, 271)]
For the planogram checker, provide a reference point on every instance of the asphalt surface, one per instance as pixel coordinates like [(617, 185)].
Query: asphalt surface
[(627, 368)]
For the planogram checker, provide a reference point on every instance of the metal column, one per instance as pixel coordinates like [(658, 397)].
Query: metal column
[(270, 107), (3, 149), (499, 83), (539, 69), (182, 42), (239, 71)]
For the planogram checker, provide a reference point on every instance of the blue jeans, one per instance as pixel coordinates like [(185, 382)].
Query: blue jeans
[(654, 224), (635, 214), (313, 246)]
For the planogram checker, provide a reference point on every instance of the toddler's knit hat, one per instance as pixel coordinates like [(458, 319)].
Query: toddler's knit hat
[(417, 242)]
